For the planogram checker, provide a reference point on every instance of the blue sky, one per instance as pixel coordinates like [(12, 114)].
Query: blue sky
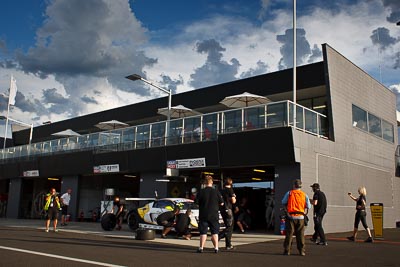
[(70, 57)]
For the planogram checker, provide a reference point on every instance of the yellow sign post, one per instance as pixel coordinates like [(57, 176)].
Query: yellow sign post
[(377, 219)]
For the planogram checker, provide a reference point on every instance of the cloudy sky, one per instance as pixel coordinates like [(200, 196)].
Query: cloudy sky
[(70, 57)]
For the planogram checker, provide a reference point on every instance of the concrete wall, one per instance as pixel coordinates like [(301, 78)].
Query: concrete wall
[(355, 158)]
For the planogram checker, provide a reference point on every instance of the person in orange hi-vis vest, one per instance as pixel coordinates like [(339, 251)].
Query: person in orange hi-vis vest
[(296, 204)]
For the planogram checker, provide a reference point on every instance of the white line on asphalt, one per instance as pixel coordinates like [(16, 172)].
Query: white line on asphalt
[(61, 257)]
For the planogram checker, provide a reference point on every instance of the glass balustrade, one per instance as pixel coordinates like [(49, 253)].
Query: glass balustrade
[(198, 128)]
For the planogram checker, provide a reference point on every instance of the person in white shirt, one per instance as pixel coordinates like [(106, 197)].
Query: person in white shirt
[(65, 198)]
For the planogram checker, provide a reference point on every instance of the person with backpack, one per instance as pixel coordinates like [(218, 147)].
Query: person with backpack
[(295, 202)]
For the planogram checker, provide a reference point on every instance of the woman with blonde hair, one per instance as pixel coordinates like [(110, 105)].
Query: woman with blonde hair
[(361, 214)]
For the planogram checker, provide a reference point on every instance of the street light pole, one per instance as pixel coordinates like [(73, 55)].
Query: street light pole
[(294, 65), (135, 77)]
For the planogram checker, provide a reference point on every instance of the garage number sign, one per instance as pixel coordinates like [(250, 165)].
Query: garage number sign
[(106, 168), (186, 163)]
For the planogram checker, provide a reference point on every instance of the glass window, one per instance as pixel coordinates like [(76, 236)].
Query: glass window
[(93, 140), (254, 117), (299, 116), (142, 136), (359, 118), (128, 138), (157, 134), (175, 132), (388, 133), (232, 121), (210, 126), (323, 126), (192, 129), (311, 121), (374, 125), (277, 115)]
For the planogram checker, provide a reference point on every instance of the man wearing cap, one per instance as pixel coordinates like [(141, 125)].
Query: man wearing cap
[(319, 202), (295, 202)]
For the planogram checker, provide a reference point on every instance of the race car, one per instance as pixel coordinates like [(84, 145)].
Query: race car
[(149, 212)]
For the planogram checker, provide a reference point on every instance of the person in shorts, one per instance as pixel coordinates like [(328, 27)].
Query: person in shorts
[(52, 207), (65, 199), (209, 200)]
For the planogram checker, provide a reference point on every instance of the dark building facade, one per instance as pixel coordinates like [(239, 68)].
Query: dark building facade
[(344, 137)]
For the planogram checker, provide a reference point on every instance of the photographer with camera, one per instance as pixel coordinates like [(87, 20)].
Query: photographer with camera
[(361, 214)]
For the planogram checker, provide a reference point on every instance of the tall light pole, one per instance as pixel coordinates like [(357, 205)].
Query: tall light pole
[(294, 65), (135, 77)]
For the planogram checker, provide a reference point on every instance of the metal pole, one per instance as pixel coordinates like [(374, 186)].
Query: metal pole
[(31, 134), (294, 65)]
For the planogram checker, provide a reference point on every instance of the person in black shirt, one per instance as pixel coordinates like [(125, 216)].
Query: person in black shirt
[(167, 219), (119, 210), (209, 200), (319, 202), (227, 213), (361, 214), (182, 224)]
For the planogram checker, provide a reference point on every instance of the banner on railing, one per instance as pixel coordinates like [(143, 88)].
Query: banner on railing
[(106, 168)]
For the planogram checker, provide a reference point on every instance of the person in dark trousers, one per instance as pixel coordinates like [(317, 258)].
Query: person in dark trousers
[(243, 213), (319, 203), (295, 202), (227, 212), (209, 200), (361, 214), (167, 219), (65, 199), (119, 210), (52, 207), (182, 224)]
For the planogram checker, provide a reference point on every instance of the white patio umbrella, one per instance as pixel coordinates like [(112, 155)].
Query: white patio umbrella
[(66, 133), (111, 125), (244, 100), (178, 111)]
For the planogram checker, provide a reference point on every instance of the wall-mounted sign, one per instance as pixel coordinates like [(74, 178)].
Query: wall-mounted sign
[(31, 173), (106, 168), (186, 163), (171, 164)]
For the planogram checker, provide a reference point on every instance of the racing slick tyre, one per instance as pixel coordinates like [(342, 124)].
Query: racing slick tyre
[(145, 234), (108, 222), (133, 220)]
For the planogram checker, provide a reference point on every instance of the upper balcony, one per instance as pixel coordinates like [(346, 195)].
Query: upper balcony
[(198, 128)]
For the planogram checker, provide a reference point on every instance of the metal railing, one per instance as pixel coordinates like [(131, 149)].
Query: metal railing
[(186, 130)]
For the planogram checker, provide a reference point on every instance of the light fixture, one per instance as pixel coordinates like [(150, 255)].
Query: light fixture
[(209, 173), (53, 179), (131, 176), (163, 180), (321, 106), (256, 179), (258, 170)]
